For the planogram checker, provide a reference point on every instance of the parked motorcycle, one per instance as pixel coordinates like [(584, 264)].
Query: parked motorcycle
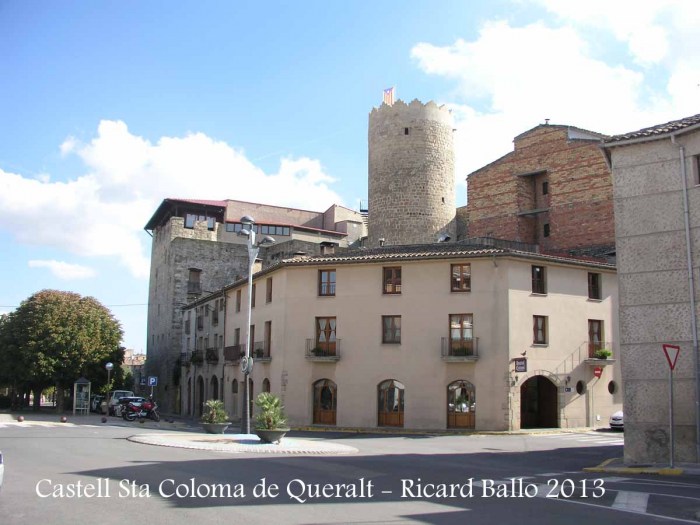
[(134, 410)]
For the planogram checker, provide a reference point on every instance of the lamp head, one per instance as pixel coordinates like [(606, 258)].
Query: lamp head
[(109, 367), (247, 221), (244, 233), (266, 241)]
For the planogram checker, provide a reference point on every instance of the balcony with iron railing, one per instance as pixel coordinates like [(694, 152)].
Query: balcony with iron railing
[(599, 353), (233, 354), (459, 350), (197, 357), (194, 287), (322, 351), (185, 359), (212, 355), (261, 351)]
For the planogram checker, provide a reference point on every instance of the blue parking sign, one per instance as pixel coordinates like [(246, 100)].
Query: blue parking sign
[(152, 380)]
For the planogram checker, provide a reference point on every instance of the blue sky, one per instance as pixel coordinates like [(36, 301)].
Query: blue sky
[(106, 108)]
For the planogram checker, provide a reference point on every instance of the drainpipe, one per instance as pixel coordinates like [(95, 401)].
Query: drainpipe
[(691, 281)]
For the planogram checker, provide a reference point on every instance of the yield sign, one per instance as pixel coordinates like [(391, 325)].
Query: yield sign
[(672, 352)]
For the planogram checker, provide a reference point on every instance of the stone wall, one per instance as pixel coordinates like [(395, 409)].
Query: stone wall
[(411, 174), (655, 294)]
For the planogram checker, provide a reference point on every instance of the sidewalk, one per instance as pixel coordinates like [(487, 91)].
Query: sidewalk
[(617, 466), (187, 433)]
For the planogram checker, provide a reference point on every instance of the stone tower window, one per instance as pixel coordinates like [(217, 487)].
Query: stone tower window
[(405, 131), (545, 229)]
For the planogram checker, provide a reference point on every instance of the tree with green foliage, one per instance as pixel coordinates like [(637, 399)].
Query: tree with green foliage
[(53, 338)]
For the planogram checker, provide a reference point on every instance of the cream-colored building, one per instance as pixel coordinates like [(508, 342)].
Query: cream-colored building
[(423, 337)]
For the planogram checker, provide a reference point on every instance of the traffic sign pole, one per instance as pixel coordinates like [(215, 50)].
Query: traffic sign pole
[(670, 411), (671, 352)]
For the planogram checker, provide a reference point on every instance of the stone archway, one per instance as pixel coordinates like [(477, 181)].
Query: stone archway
[(539, 403)]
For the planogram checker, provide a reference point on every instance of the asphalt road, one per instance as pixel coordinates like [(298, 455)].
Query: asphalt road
[(67, 474)]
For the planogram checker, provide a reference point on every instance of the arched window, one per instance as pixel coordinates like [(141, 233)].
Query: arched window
[(390, 403), (266, 385), (214, 388), (325, 402), (461, 404)]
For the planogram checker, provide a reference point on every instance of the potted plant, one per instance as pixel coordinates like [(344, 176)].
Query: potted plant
[(602, 353), (215, 419), (271, 425)]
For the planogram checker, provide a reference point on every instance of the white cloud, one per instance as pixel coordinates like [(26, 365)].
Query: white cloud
[(510, 79), (102, 212), (64, 270)]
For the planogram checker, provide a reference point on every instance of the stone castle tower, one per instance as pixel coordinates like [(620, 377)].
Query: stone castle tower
[(411, 174)]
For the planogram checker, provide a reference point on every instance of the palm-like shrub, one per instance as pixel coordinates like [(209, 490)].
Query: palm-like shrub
[(270, 412), (214, 412)]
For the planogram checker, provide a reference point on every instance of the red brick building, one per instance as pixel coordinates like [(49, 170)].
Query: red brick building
[(554, 189)]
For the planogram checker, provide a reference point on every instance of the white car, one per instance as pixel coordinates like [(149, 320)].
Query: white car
[(113, 399), (617, 421)]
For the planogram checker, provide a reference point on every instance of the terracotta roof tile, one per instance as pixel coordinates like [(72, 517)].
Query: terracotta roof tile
[(656, 131)]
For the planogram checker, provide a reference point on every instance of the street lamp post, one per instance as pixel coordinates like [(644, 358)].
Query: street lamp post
[(109, 367), (248, 230)]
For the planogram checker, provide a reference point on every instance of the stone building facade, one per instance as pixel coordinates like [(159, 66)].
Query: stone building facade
[(423, 336), (411, 174), (553, 190), (656, 174), (196, 251)]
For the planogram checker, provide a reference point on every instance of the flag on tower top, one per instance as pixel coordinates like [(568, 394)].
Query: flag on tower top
[(389, 96)]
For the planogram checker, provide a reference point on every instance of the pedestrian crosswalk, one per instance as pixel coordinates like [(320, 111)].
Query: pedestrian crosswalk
[(588, 437), (44, 424)]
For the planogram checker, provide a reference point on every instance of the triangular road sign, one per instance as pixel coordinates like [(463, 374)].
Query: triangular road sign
[(672, 352)]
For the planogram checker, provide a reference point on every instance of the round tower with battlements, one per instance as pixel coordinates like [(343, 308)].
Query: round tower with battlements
[(411, 174)]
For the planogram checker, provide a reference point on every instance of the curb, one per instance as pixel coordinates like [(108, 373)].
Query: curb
[(605, 468)]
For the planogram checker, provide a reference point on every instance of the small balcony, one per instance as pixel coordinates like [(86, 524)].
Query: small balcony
[(459, 350), (212, 355), (261, 351), (185, 359), (197, 357), (194, 287), (233, 354), (599, 353), (322, 352)]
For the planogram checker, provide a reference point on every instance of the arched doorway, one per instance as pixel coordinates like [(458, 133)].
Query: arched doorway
[(266, 385), (325, 402), (189, 396), (538, 403), (391, 403), (199, 399), (461, 405), (234, 397), (251, 401), (214, 387)]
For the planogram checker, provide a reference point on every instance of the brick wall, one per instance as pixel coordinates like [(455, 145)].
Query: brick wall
[(579, 200)]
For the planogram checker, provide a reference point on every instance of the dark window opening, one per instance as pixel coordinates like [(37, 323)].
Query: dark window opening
[(545, 229), (405, 131), (545, 188), (539, 284)]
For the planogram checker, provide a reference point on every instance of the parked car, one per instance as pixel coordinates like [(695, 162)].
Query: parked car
[(125, 401), (96, 403), (114, 398), (617, 421), (2, 469)]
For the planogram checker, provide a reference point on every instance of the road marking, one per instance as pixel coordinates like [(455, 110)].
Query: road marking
[(631, 501)]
